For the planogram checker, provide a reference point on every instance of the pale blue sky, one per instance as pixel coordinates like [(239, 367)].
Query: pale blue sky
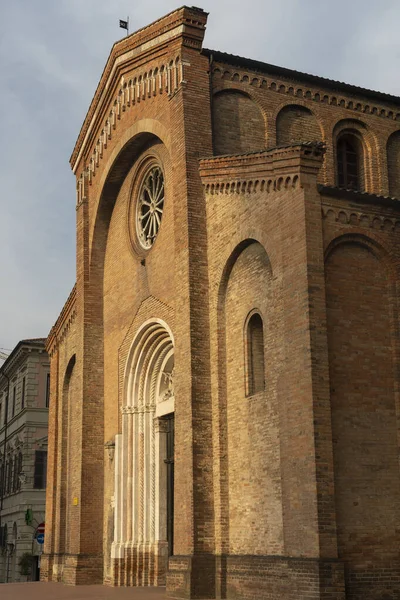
[(52, 53)]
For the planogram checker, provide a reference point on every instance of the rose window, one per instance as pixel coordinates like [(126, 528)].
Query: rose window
[(149, 208)]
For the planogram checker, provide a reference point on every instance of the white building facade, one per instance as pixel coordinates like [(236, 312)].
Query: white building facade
[(24, 401)]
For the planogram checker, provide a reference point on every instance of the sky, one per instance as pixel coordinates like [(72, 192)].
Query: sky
[(52, 54)]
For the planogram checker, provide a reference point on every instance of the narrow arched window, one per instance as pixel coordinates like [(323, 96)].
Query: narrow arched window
[(348, 162), (255, 355)]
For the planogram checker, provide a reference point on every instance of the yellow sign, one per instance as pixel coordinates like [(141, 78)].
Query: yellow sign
[(75, 501)]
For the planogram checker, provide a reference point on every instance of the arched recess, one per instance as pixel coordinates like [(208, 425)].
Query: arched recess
[(141, 490), (138, 139), (113, 179), (115, 176), (67, 447), (393, 160), (362, 342), (238, 123), (355, 135), (296, 123), (249, 432)]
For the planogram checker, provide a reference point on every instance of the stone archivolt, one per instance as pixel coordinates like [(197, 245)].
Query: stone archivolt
[(139, 519)]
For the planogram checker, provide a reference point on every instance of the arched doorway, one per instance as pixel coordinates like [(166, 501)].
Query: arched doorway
[(144, 455)]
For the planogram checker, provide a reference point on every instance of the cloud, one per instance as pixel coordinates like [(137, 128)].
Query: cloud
[(52, 55)]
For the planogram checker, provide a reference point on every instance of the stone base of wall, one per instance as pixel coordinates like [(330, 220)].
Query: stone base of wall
[(52, 567), (371, 582), (46, 567), (233, 577), (72, 569), (192, 576), (254, 577), (141, 565)]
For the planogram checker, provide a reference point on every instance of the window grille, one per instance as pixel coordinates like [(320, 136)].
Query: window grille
[(348, 167)]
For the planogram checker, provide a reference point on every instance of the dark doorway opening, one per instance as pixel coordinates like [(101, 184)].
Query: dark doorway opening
[(36, 568), (169, 461)]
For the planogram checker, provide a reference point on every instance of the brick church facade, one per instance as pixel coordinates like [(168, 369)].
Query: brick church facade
[(225, 373)]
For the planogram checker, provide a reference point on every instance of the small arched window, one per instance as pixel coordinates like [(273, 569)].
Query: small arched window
[(348, 162), (255, 355)]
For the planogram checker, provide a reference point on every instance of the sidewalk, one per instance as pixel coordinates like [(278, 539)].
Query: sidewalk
[(57, 591)]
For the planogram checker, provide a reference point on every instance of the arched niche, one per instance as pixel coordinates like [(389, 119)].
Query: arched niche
[(296, 123), (393, 162), (362, 365), (115, 177), (238, 123), (118, 280), (247, 420), (68, 443)]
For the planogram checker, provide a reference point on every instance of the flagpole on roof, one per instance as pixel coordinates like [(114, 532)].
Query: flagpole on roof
[(125, 24)]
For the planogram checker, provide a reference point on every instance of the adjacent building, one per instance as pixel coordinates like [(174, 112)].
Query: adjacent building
[(225, 373), (24, 404)]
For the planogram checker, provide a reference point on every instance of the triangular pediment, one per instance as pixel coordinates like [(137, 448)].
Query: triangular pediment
[(158, 43)]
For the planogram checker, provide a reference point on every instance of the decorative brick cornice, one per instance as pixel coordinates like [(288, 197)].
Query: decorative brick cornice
[(268, 170), (63, 323), (358, 218), (297, 90), (186, 23), (164, 79)]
